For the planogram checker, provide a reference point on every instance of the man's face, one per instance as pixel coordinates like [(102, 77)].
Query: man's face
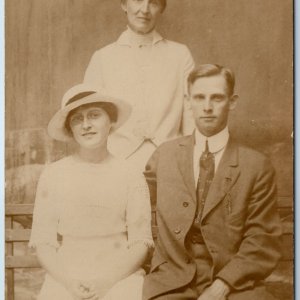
[(211, 104), (142, 15)]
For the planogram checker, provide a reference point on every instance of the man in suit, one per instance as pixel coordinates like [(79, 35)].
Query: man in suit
[(218, 228)]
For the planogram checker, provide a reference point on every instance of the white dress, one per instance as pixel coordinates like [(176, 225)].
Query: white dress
[(96, 209)]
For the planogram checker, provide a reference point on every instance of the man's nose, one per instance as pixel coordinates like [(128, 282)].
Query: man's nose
[(207, 106), (145, 6)]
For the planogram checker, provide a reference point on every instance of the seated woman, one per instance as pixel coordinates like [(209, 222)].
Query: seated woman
[(98, 204)]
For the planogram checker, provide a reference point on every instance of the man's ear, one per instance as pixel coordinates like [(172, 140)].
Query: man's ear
[(233, 101), (187, 101), (124, 5)]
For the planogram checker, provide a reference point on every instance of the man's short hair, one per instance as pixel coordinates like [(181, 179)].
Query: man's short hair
[(163, 4), (208, 70)]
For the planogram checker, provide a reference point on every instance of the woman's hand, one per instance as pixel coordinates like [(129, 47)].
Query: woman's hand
[(100, 287), (81, 290)]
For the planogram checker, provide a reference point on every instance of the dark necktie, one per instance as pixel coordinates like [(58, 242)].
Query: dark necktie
[(206, 175)]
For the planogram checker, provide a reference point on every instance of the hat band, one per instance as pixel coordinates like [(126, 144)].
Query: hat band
[(79, 97)]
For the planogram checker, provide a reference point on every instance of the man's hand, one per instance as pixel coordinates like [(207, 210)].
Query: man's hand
[(219, 290)]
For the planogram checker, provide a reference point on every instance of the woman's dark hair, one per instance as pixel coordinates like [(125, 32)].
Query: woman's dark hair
[(109, 108), (163, 4)]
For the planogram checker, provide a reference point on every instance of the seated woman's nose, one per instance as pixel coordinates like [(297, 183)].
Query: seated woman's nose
[(86, 123)]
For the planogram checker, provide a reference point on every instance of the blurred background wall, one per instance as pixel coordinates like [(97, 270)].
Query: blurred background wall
[(50, 42)]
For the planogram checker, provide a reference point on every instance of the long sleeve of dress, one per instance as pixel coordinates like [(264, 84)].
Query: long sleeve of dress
[(93, 74), (45, 215), (188, 124), (138, 212)]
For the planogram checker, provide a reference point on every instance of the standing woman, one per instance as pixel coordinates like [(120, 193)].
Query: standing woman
[(150, 72), (96, 203)]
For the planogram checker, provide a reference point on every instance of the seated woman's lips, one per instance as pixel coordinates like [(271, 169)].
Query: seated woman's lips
[(88, 133)]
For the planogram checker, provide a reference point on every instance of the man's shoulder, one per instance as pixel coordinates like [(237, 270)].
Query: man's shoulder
[(251, 151), (251, 157), (172, 144)]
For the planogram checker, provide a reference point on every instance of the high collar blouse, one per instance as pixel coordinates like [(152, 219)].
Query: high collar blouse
[(152, 78)]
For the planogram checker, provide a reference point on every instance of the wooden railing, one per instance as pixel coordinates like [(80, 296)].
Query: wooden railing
[(14, 235)]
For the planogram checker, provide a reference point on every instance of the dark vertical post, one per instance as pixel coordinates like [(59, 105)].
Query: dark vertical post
[(9, 247)]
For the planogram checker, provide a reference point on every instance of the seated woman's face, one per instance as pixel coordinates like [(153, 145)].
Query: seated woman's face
[(90, 126)]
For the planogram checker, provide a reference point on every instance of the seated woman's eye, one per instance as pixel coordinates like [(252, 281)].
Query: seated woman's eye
[(94, 114), (76, 119)]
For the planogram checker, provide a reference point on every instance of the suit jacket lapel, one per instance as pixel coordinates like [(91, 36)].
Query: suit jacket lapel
[(225, 177), (186, 164)]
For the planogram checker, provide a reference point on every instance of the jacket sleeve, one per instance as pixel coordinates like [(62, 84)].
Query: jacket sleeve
[(259, 250)]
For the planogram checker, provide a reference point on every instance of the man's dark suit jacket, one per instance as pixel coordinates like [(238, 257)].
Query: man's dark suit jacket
[(240, 224)]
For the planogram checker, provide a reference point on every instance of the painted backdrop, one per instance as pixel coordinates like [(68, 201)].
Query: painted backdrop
[(49, 44)]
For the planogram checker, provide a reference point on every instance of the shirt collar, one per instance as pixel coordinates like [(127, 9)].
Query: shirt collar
[(216, 142), (126, 37)]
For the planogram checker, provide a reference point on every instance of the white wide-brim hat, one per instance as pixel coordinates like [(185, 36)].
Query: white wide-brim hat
[(79, 95)]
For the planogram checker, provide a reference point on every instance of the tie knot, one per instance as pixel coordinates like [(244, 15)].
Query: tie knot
[(206, 147), (207, 158)]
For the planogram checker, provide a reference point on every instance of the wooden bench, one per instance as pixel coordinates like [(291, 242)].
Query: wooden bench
[(15, 213)]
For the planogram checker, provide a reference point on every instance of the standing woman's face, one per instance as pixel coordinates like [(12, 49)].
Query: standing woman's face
[(142, 15), (90, 126)]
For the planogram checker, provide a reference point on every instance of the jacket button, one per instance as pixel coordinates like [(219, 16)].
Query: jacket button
[(177, 231), (185, 204)]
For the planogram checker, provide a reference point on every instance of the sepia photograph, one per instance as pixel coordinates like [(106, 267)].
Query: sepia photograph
[(149, 149)]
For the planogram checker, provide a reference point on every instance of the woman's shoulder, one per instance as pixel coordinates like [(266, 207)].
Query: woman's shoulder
[(125, 165), (58, 166), (126, 168), (179, 48)]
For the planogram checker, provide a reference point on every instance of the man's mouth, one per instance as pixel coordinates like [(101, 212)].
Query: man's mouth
[(144, 19)]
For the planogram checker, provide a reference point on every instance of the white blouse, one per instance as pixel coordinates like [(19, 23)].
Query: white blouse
[(85, 200), (152, 78)]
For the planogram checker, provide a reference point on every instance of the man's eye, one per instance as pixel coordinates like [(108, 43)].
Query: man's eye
[(198, 98), (218, 99)]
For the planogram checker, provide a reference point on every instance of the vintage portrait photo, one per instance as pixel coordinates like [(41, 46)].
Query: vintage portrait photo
[(149, 149)]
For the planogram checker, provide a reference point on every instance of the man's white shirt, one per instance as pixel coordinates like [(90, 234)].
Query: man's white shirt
[(216, 145)]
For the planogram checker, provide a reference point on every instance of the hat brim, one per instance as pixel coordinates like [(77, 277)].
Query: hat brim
[(57, 129)]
